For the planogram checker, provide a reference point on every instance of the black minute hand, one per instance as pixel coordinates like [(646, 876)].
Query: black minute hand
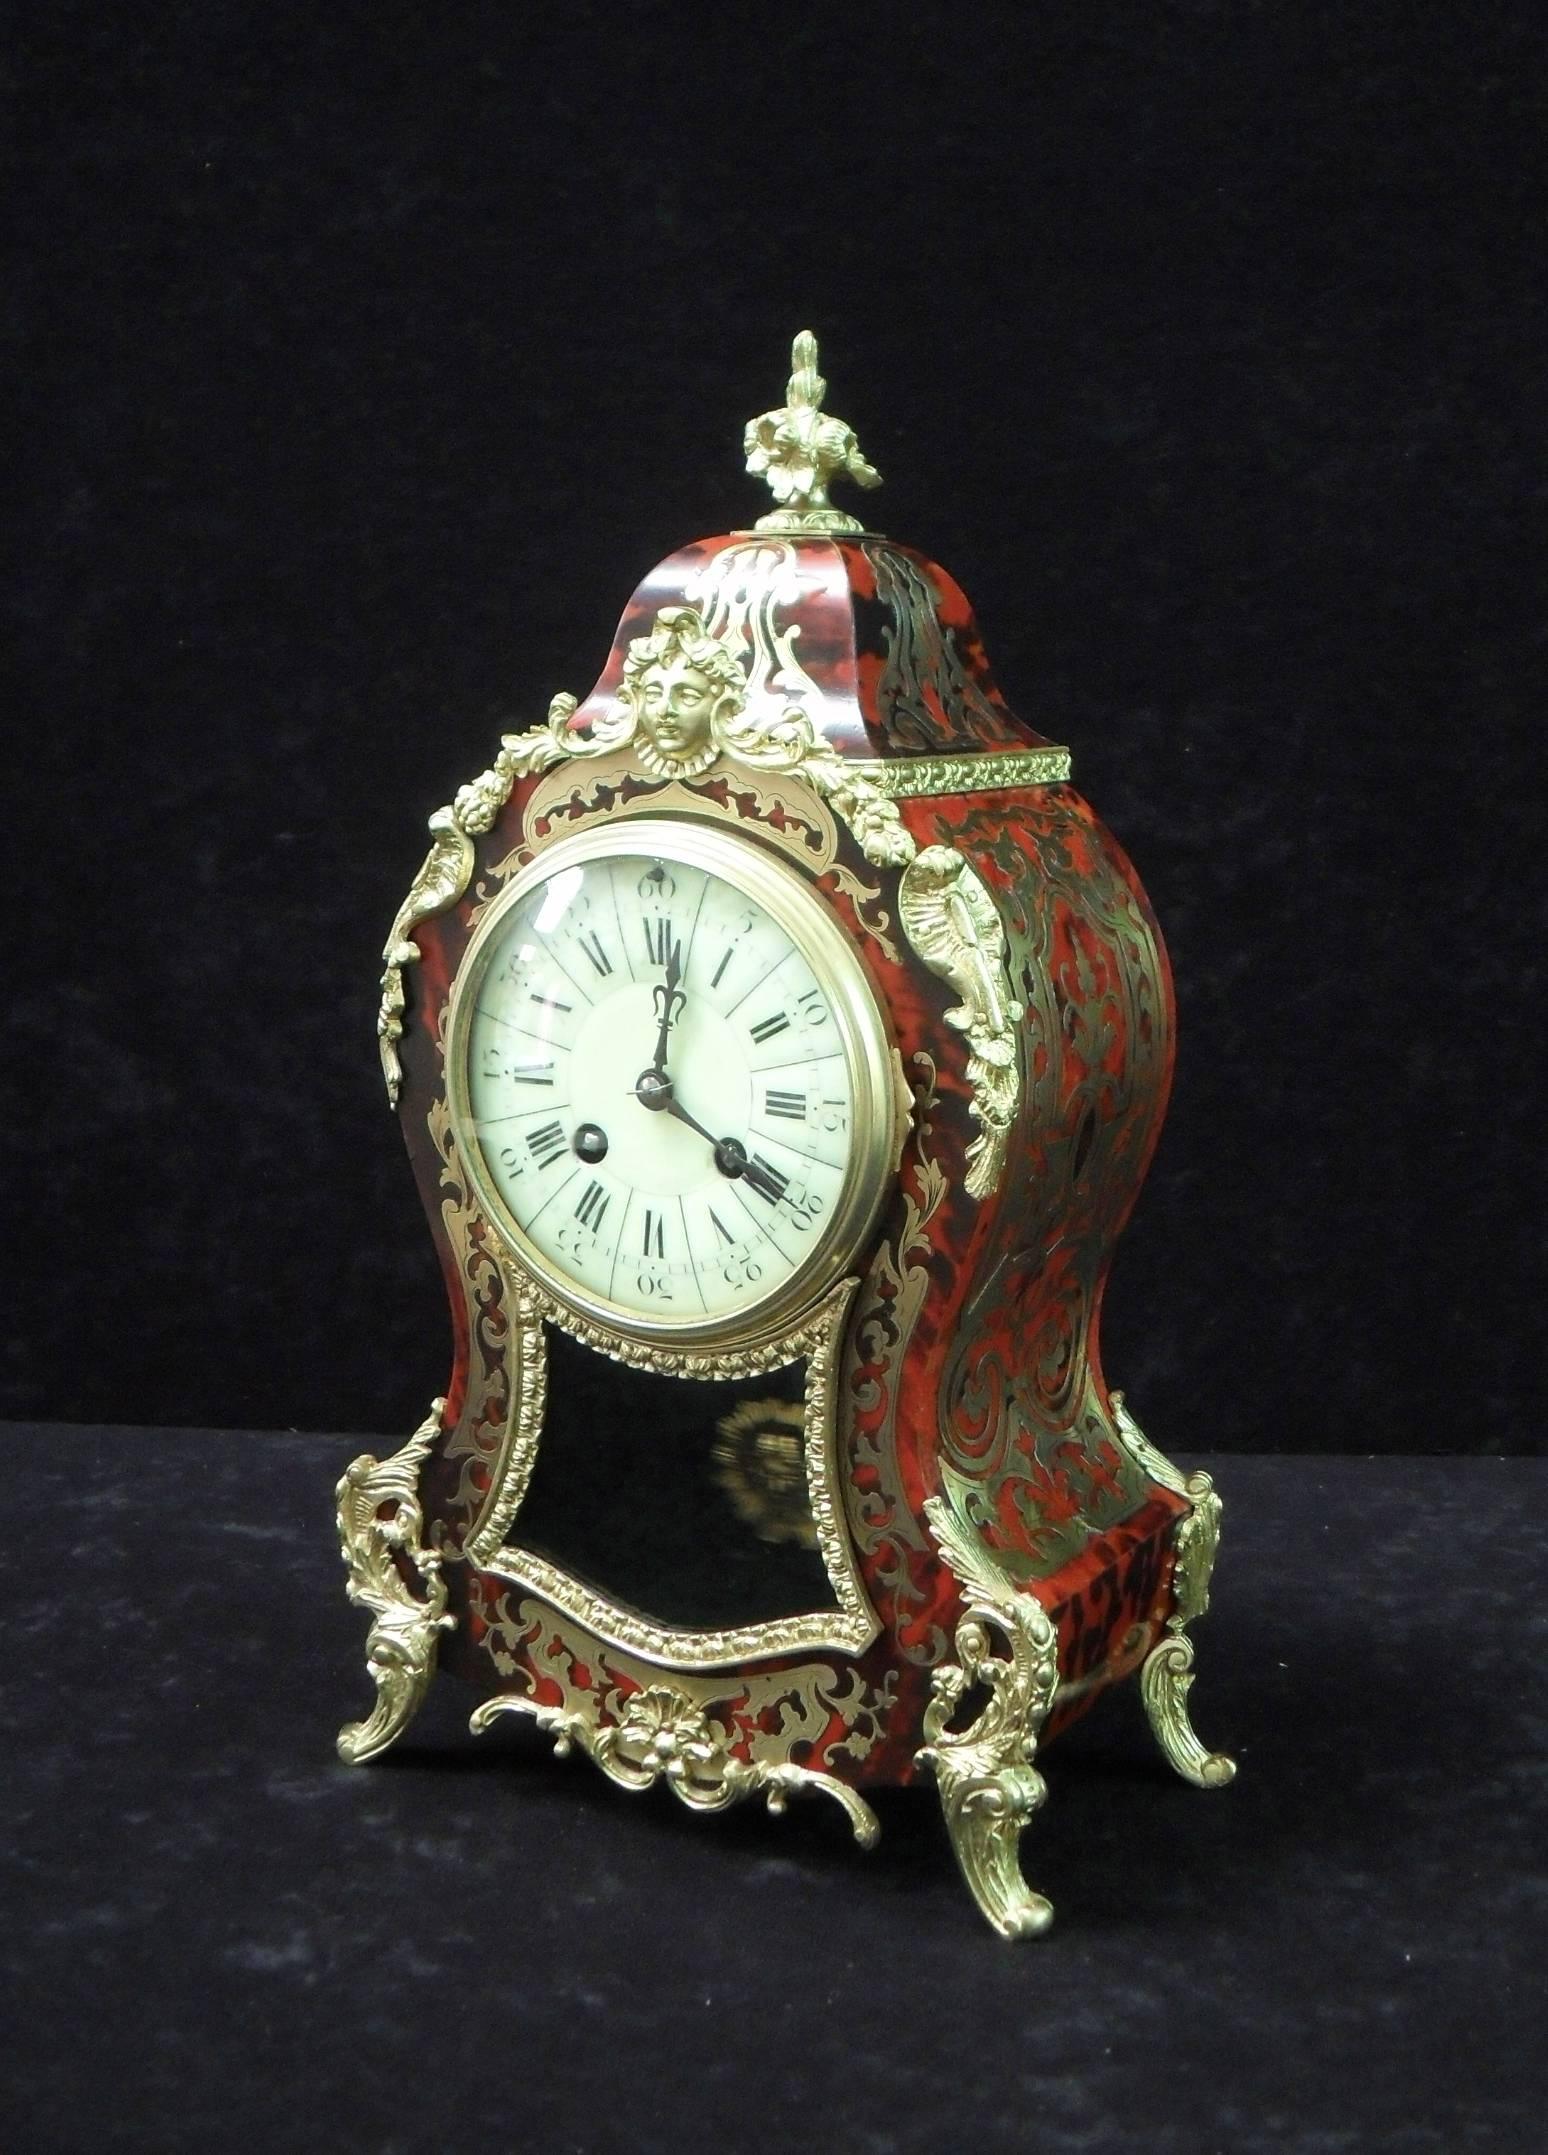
[(730, 1156)]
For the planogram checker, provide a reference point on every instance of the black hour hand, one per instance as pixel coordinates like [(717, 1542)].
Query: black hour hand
[(731, 1158)]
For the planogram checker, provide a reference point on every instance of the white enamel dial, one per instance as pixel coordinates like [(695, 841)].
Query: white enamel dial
[(663, 1088)]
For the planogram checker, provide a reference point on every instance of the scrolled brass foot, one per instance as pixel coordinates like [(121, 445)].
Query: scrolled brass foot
[(988, 1783), (1165, 1681), (1167, 1675), (986, 1814), (379, 1516)]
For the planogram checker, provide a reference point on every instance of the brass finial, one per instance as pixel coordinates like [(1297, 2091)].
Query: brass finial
[(800, 448)]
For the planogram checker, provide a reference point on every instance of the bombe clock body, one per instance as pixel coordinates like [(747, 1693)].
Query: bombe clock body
[(781, 1042)]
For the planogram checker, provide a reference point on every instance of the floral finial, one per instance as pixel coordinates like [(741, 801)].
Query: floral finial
[(799, 448)]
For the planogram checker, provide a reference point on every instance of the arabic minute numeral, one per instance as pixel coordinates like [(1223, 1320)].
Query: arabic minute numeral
[(803, 1210)]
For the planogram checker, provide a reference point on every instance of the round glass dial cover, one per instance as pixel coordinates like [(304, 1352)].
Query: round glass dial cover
[(670, 1074)]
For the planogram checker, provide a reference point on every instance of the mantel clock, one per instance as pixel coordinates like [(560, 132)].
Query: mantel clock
[(780, 1043)]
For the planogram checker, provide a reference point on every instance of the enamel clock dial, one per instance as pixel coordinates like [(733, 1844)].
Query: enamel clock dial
[(669, 1080)]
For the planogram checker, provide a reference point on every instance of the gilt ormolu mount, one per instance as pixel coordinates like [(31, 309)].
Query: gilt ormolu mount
[(781, 1042)]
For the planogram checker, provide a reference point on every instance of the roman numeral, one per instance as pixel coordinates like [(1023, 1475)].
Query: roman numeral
[(592, 1208), (659, 938), (792, 1105), (546, 1144), (721, 1228), (591, 944), (655, 1237), (531, 1073), (551, 1002), (774, 1175), (720, 968), (769, 1027)]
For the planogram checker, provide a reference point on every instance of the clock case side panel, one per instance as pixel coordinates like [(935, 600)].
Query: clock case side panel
[(455, 1477), (1006, 1414)]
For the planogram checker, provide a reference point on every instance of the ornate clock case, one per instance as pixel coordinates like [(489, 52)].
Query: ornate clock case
[(894, 1525)]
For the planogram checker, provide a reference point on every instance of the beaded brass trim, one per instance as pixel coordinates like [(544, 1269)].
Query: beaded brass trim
[(914, 778)]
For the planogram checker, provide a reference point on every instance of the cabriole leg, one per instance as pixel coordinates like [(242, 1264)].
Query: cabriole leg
[(989, 1785), (1167, 1676), (379, 1514)]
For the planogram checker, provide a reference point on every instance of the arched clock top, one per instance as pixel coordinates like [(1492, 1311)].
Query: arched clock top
[(877, 644)]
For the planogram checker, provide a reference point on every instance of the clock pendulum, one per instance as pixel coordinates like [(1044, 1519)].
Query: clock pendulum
[(780, 1042)]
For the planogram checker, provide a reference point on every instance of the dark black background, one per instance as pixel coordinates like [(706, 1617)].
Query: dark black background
[(365, 357)]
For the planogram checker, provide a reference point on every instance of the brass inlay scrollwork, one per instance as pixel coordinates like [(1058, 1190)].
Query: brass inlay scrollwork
[(1027, 1434), (379, 1521), (749, 597), (494, 1401), (788, 814), (926, 696), (527, 1391), (881, 1516), (800, 449), (989, 1785), (951, 920)]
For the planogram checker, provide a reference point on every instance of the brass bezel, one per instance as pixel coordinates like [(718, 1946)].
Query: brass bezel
[(864, 1036)]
